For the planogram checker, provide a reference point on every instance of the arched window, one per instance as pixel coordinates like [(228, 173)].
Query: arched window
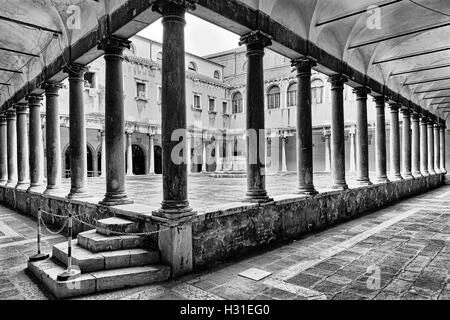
[(317, 91), (192, 66), (292, 95), (273, 97), (217, 74), (237, 103), (244, 67)]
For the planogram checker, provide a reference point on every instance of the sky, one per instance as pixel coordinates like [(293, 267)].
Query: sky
[(201, 37)]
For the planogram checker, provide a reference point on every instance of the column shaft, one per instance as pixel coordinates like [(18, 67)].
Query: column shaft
[(77, 133), (283, 140), (424, 147), (362, 136), (415, 157), (53, 137), (151, 157), (23, 168), (256, 175), (12, 148), (442, 149), (129, 151), (103, 155), (437, 152), (381, 158), (337, 132), (327, 136), (406, 145), (35, 142), (395, 142), (3, 150), (114, 121), (430, 129), (305, 170)]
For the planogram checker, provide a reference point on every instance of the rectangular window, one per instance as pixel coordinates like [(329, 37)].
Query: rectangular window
[(197, 104), (317, 95), (292, 98), (141, 90), (274, 101), (212, 105), (225, 108), (237, 106)]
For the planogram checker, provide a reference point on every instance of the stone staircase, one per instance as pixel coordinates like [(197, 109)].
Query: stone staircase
[(107, 261)]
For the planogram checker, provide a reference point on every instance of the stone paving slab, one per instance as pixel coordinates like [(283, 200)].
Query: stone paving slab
[(397, 253)]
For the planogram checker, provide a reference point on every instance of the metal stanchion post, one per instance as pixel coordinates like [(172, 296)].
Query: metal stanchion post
[(39, 256), (70, 273)]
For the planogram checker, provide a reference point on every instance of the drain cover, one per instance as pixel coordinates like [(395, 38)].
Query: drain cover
[(255, 274)]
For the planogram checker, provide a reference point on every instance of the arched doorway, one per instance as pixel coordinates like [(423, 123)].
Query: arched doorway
[(138, 160), (88, 158), (158, 159)]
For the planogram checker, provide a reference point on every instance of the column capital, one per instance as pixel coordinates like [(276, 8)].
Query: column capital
[(34, 100), (406, 112), (173, 7), (2, 119), (304, 65), (75, 70), (11, 114), (394, 106), (361, 92), (51, 88), (415, 116), (326, 132), (380, 101), (21, 107), (256, 40), (337, 81), (114, 45)]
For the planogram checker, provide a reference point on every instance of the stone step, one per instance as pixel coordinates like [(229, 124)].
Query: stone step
[(89, 261), (46, 272), (114, 225), (96, 242)]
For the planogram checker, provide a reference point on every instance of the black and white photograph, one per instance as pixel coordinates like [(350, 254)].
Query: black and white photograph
[(223, 156)]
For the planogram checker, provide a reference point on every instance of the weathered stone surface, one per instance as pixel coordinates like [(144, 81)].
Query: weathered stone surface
[(114, 225)]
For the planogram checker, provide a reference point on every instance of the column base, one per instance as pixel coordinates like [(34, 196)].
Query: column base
[(257, 196), (397, 178), (22, 185), (432, 172), (78, 194), (52, 190), (443, 171), (417, 175), (115, 199), (34, 187), (407, 176), (3, 182), (382, 179), (340, 186), (364, 182), (425, 174), (174, 210), (307, 190), (438, 171)]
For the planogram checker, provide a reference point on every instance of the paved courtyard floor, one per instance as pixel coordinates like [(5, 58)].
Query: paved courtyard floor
[(399, 252), (204, 191)]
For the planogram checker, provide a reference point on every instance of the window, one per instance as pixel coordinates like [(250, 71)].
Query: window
[(237, 103), (197, 104), (212, 105), (224, 108), (317, 91), (192, 66), (159, 57), (141, 90), (90, 80), (273, 98), (217, 74), (292, 95)]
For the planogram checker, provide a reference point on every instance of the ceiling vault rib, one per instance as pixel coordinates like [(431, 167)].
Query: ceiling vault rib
[(355, 13), (413, 55), (438, 97), (9, 70), (399, 35), (425, 81), (419, 70), (27, 24), (439, 103), (4, 84), (431, 90), (20, 52)]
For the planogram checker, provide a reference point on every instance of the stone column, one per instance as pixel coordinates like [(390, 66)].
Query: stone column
[(305, 176), (3, 150), (395, 142), (151, 157), (114, 121), (53, 137), (415, 165), (442, 149), (327, 136), (23, 172), (129, 151), (255, 41), (337, 132), (35, 143), (437, 151), (217, 154), (430, 128), (380, 103), (103, 155), (77, 132), (406, 145), (230, 154), (283, 139), (352, 138), (204, 158), (12, 148), (362, 136), (424, 147)]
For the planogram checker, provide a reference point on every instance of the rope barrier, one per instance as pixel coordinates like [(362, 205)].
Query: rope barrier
[(70, 273), (39, 256)]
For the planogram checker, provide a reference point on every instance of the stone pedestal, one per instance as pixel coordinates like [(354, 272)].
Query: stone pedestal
[(23, 167), (381, 158), (362, 137), (114, 122), (395, 142), (337, 132), (53, 138), (256, 172)]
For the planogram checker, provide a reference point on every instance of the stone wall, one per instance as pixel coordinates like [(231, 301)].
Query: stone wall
[(238, 228)]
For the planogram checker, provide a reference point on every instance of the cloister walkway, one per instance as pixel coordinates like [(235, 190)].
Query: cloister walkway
[(398, 252)]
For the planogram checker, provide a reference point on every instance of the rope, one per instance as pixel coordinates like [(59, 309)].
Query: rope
[(54, 232)]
